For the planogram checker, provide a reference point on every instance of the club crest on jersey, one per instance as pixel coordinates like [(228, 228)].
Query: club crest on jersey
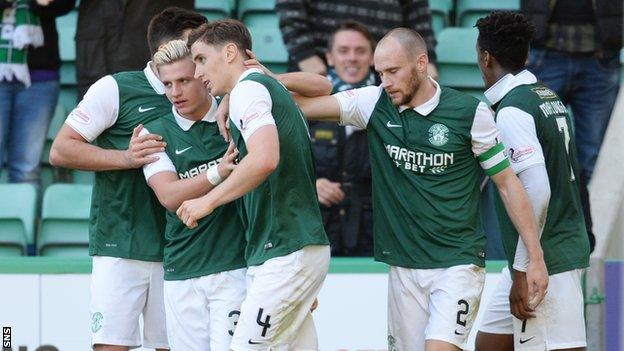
[(438, 134), (96, 322)]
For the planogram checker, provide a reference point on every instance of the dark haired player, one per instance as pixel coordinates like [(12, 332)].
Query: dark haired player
[(287, 249), (127, 223), (535, 126)]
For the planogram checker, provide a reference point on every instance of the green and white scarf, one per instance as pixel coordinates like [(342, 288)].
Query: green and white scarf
[(19, 29)]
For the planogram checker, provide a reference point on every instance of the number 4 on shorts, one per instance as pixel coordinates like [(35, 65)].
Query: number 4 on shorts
[(264, 324)]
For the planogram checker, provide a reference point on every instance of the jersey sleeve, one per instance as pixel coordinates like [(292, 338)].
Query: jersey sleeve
[(517, 129), (250, 107), (357, 105), (98, 109), (163, 164), (486, 144)]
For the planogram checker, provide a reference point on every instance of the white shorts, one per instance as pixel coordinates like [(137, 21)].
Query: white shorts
[(432, 304), (276, 312), (202, 312), (559, 322), (122, 290)]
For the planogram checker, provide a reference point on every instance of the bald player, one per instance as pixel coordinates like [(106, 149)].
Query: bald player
[(428, 145)]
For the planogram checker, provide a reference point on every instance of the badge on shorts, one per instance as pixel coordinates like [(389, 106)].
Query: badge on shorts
[(438, 134), (96, 322), (392, 343)]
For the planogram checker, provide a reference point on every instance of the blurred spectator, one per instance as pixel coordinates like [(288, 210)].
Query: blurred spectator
[(29, 82), (110, 36), (576, 53), (341, 153), (306, 26)]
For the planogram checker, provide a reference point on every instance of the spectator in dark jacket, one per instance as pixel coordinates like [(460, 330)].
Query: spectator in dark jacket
[(28, 102), (110, 36), (576, 52), (306, 26)]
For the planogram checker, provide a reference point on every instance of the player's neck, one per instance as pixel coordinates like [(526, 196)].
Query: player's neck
[(237, 71), (425, 92)]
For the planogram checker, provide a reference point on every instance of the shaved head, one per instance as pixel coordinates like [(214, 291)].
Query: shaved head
[(408, 39)]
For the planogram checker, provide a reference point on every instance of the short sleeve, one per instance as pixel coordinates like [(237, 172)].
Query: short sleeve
[(486, 144), (163, 164), (517, 129), (357, 105), (250, 107), (97, 111)]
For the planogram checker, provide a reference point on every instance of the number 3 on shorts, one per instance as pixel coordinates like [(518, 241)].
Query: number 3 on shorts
[(462, 312)]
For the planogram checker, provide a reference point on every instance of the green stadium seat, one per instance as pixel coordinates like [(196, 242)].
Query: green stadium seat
[(263, 23), (83, 177), (66, 27), (68, 73), (215, 9), (469, 11), (17, 218), (457, 58), (64, 227), (440, 14)]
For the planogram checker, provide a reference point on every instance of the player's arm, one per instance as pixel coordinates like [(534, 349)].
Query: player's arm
[(351, 107), (251, 113), (261, 160), (171, 191), (95, 113), (490, 154)]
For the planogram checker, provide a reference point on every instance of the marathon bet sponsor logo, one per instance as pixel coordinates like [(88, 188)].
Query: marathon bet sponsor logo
[(420, 162), (96, 322), (199, 169), (521, 154), (544, 93), (438, 134)]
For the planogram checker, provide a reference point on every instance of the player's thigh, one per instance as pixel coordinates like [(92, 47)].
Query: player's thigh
[(494, 342), (119, 290), (188, 316), (560, 321), (497, 319), (225, 297), (408, 313), (279, 299), (454, 304), (154, 316)]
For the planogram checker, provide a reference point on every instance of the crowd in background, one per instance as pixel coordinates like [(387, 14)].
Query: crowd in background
[(575, 52)]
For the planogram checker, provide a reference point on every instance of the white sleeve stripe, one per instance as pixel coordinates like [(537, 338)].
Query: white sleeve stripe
[(83, 132), (163, 164), (493, 161)]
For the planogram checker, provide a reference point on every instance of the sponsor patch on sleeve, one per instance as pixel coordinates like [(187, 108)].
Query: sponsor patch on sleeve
[(520, 154), (80, 116)]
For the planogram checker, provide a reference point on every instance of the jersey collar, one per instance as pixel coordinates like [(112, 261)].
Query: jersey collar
[(504, 85), (154, 81), (248, 72), (428, 106), (186, 124)]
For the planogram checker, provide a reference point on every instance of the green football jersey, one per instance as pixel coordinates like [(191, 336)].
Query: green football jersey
[(126, 218), (564, 237), (426, 163), (282, 213), (217, 244)]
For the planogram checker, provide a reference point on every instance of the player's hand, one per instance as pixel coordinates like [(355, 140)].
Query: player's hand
[(313, 64), (142, 147), (329, 193), (519, 296), (253, 62), (193, 210), (228, 162), (223, 118), (537, 281), (314, 305)]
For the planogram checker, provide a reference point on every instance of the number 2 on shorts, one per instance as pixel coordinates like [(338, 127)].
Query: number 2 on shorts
[(462, 312)]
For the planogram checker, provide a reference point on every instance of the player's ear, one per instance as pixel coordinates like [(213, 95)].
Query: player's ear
[(422, 61), (231, 52)]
